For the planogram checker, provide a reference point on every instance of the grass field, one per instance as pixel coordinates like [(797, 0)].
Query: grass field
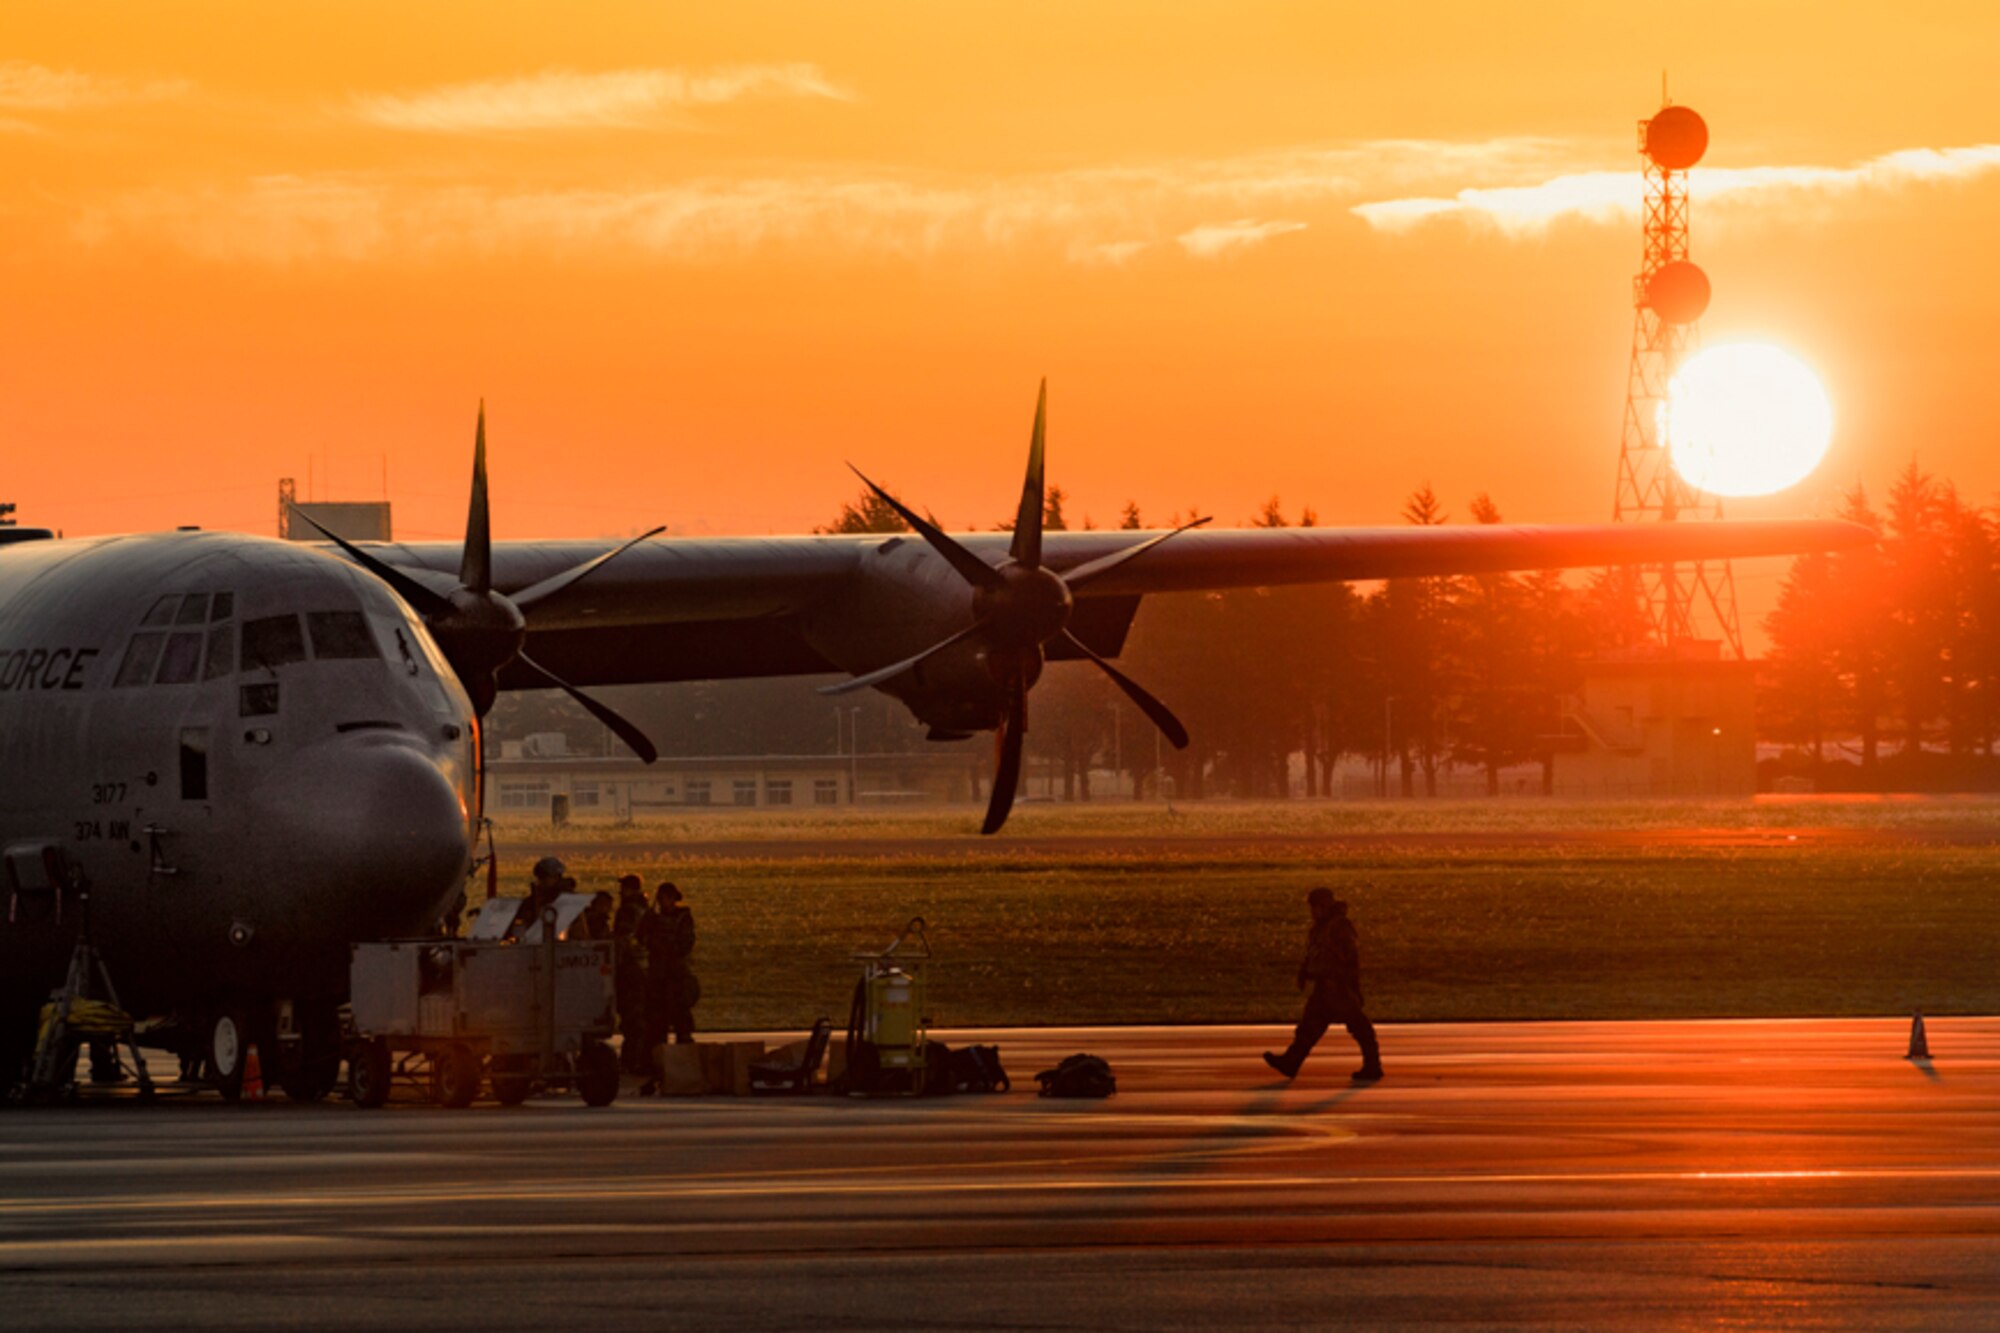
[(1149, 932), (1283, 818)]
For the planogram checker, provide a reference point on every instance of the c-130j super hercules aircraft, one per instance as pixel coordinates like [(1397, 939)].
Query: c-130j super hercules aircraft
[(255, 752)]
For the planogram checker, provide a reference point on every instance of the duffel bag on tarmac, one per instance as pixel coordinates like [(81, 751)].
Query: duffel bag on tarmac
[(977, 1069), (1078, 1076), (937, 1070)]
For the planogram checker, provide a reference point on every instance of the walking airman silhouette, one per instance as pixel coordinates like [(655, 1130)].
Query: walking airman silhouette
[(1332, 968)]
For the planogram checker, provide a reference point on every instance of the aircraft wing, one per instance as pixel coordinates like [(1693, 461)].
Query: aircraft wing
[(718, 608), (1264, 557), (668, 580)]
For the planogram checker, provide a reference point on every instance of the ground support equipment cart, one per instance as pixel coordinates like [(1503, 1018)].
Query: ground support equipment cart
[(451, 1016)]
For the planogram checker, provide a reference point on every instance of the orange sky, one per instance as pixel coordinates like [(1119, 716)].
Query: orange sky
[(694, 257)]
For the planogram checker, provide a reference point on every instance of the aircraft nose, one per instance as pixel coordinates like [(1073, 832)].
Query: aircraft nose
[(389, 836)]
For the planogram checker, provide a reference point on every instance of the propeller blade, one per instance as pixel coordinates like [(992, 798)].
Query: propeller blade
[(1104, 564), (880, 674), (1162, 717), (475, 569), (1027, 545), (969, 566), (535, 593), (1007, 773), (422, 600), (634, 738)]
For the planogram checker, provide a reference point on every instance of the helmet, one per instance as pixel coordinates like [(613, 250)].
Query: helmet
[(550, 867)]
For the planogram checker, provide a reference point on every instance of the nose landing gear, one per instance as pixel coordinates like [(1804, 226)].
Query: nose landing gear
[(226, 1048), (298, 1046)]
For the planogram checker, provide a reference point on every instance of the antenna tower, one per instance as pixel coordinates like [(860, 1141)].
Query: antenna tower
[(1668, 297)]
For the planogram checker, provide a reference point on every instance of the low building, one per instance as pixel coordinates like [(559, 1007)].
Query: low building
[(1660, 725), (526, 782), (357, 521)]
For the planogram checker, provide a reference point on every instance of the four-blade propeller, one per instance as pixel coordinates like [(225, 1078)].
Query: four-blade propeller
[(480, 629), (1016, 609)]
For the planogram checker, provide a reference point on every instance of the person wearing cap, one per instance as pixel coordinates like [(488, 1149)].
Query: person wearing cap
[(1332, 969), (630, 975), (551, 880)]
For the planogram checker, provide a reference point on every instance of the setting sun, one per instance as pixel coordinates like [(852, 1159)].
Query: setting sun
[(1746, 419)]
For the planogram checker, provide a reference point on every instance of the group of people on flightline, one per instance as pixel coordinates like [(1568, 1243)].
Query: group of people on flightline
[(657, 989), (652, 940)]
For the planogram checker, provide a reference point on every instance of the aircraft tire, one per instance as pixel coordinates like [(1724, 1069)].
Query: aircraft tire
[(597, 1074), (226, 1042), (368, 1073), (455, 1077)]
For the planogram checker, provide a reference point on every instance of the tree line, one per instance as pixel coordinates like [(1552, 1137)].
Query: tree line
[(1884, 665)]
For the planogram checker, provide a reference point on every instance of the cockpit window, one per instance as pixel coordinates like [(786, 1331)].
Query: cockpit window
[(272, 641), (221, 651), (340, 634), (199, 621), (141, 656), (181, 662)]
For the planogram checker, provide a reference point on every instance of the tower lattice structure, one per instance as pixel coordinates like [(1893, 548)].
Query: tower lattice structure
[(1687, 600)]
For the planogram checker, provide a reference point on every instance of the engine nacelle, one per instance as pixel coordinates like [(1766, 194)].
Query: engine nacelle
[(903, 598)]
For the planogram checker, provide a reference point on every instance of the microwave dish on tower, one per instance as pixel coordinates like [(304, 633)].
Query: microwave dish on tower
[(1676, 138), (1678, 291), (1695, 600)]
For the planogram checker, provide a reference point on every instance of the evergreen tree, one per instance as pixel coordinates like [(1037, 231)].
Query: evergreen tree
[(1406, 619), (1802, 692), (1487, 658), (1859, 647), (867, 512), (1919, 605)]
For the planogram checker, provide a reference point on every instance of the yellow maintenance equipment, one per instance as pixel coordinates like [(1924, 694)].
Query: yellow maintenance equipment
[(83, 1011), (888, 1027)]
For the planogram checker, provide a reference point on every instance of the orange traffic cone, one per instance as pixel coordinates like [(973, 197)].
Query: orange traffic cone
[(253, 1076), (1920, 1047)]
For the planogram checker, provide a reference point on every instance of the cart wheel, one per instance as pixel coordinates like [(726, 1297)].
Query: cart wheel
[(597, 1074), (226, 1048), (368, 1072), (455, 1076), (513, 1081)]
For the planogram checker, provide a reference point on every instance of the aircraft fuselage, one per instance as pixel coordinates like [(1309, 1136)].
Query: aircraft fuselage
[(251, 751)]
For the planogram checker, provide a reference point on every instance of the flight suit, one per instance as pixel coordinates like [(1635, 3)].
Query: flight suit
[(668, 938), (1333, 968), (630, 981)]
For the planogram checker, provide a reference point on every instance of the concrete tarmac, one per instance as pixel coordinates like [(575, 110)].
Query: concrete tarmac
[(1755, 1174)]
